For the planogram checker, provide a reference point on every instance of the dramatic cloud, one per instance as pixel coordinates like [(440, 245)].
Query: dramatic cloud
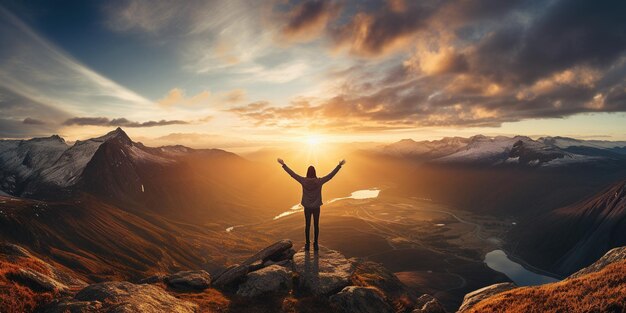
[(468, 68), (117, 122), (369, 65), (308, 19)]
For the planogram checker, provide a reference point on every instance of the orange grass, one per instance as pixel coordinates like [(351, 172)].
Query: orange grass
[(603, 291), (16, 298)]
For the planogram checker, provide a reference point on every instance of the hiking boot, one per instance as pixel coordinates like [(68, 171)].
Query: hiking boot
[(316, 247)]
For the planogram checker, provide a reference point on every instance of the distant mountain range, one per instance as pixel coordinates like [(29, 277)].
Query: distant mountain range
[(170, 180), (502, 151)]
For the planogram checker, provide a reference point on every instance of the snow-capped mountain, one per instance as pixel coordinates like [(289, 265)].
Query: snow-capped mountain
[(502, 150), (187, 183), (21, 160), (425, 149)]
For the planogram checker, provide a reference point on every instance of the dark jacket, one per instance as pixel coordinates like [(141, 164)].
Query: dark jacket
[(311, 187)]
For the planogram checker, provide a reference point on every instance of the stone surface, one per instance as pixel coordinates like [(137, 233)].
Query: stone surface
[(283, 263), (36, 281), (372, 274), (157, 278), (356, 299), (189, 280), (322, 273), (431, 306), (422, 300), (71, 306), (614, 255), (231, 276), (282, 256), (273, 279), (123, 297), (275, 249), (476, 296)]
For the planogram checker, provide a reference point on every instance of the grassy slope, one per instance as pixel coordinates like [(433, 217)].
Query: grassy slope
[(603, 291)]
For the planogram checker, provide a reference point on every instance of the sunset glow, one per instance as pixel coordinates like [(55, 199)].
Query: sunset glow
[(240, 75)]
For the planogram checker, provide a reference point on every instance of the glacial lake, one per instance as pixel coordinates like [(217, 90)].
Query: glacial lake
[(499, 261)]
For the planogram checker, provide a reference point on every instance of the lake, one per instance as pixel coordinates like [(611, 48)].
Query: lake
[(499, 261)]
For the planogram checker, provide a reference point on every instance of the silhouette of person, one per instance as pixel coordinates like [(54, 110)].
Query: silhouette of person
[(311, 197)]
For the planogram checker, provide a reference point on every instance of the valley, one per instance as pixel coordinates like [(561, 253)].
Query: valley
[(432, 248)]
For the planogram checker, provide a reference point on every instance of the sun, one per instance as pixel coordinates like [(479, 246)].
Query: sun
[(313, 140)]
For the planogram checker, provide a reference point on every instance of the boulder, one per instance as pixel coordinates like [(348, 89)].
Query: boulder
[(269, 252), (322, 273), (273, 279), (431, 306), (422, 300), (476, 296), (372, 274), (285, 255), (189, 280), (122, 297), (356, 299), (36, 281), (614, 255), (231, 276)]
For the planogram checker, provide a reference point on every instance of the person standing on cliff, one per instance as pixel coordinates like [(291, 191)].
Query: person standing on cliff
[(311, 197)]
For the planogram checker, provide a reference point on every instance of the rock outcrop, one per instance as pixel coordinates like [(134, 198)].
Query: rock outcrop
[(428, 304), (274, 280), (481, 294), (122, 297), (37, 281), (355, 299), (273, 252), (322, 273), (276, 252), (189, 280)]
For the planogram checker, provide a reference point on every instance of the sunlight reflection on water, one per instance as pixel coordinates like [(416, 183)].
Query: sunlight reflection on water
[(357, 195)]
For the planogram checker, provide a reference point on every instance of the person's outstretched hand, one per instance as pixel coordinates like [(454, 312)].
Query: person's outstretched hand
[(280, 161), (342, 162)]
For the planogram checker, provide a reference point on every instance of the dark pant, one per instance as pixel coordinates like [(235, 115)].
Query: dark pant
[(316, 222)]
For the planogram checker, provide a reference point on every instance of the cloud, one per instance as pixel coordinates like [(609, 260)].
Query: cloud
[(33, 121), (386, 28), (177, 97), (22, 117), (118, 122), (472, 64), (308, 19), (235, 96)]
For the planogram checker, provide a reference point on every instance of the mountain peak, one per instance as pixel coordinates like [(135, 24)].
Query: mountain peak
[(53, 138), (118, 134)]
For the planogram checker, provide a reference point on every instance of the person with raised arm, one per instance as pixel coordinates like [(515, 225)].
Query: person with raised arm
[(311, 198)]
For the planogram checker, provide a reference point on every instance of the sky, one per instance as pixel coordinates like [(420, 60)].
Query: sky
[(237, 73)]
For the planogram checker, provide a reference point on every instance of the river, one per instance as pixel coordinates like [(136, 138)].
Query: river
[(357, 195)]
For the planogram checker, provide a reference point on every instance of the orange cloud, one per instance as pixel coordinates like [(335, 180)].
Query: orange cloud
[(177, 97)]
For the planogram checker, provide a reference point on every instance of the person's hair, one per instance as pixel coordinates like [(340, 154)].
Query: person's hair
[(310, 173)]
